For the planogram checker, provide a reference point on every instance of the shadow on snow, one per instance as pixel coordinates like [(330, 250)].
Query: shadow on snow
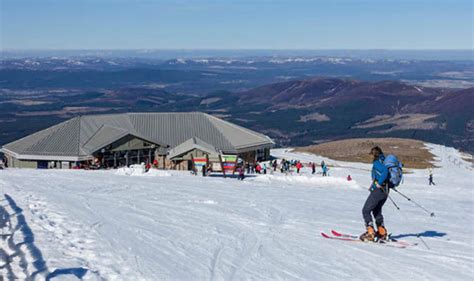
[(428, 233), (28, 243), (79, 272)]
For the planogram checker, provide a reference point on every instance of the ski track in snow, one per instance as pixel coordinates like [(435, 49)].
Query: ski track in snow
[(98, 225)]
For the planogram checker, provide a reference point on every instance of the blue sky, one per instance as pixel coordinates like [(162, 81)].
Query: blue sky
[(245, 24)]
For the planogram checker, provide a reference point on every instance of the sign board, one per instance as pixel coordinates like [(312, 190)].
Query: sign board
[(229, 162), (229, 158), (216, 167), (200, 162)]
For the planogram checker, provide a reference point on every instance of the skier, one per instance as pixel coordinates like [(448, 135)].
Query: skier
[(349, 178), (298, 167), (377, 197), (283, 165), (325, 169), (430, 179), (274, 165), (241, 170), (313, 168), (265, 168)]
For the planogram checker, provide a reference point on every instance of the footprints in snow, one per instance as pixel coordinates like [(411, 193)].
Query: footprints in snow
[(20, 257)]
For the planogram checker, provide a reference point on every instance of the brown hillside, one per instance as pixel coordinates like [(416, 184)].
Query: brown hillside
[(412, 153)]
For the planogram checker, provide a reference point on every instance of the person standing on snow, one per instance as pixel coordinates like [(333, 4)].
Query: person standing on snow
[(264, 168), (377, 197), (298, 167), (430, 179), (313, 168), (287, 167), (325, 170), (241, 170)]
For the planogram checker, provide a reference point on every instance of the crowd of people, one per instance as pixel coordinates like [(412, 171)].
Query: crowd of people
[(284, 166)]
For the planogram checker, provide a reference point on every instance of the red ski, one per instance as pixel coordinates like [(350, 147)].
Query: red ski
[(339, 237), (337, 234), (390, 240), (353, 238)]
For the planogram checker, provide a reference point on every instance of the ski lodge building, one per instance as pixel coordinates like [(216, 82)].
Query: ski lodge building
[(175, 140)]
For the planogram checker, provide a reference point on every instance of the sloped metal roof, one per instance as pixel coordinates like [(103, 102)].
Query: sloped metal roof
[(238, 136), (81, 136), (104, 136), (61, 140), (191, 144)]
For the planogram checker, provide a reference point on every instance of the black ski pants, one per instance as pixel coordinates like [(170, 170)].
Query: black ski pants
[(373, 205)]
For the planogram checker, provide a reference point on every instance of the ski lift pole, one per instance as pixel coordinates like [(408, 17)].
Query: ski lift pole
[(432, 214)]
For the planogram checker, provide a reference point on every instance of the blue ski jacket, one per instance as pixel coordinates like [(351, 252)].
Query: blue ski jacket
[(379, 172)]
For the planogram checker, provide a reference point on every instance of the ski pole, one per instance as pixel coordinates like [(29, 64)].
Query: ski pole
[(419, 237), (395, 204), (386, 192), (432, 214)]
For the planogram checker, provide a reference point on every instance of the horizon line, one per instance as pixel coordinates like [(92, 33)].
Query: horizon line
[(231, 49)]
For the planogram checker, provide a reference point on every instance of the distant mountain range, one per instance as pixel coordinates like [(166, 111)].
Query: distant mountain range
[(295, 100), (226, 73), (166, 54), (304, 111)]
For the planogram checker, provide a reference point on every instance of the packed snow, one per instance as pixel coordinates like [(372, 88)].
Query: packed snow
[(121, 225), (140, 170)]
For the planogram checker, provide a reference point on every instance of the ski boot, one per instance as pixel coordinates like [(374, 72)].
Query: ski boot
[(382, 234), (369, 235)]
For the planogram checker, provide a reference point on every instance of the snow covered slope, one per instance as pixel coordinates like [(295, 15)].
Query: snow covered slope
[(100, 225)]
